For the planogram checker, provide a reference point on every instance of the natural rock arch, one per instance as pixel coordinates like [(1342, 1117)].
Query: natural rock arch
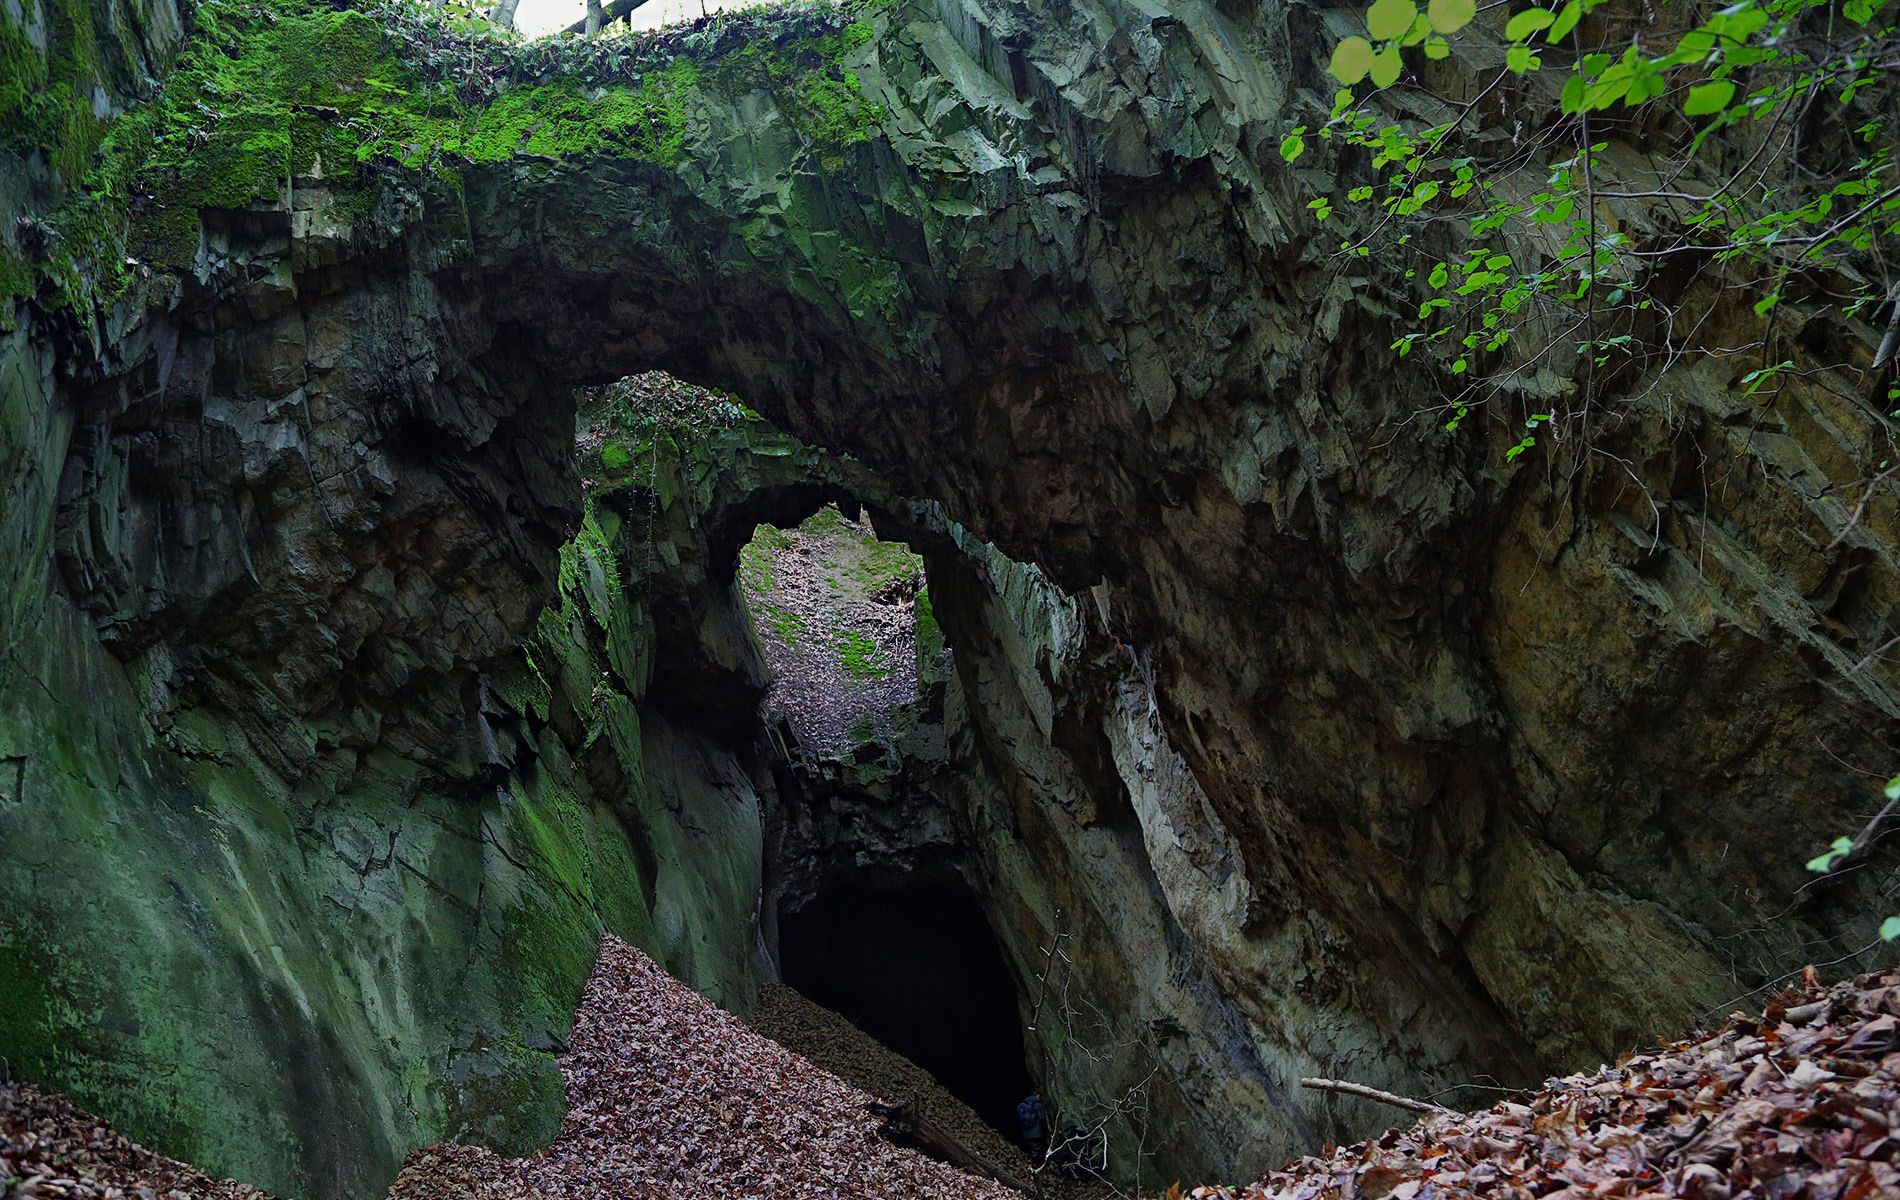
[(1429, 815)]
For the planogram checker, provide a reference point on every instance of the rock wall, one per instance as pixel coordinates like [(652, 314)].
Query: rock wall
[(330, 754), (1360, 753)]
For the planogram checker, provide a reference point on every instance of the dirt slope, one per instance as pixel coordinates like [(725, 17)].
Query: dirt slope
[(840, 1047)]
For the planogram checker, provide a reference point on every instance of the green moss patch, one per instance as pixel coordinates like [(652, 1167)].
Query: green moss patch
[(47, 73), (266, 94), (861, 656), (557, 120), (930, 643)]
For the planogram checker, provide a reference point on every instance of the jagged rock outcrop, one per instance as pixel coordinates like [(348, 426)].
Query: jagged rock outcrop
[(1357, 752)]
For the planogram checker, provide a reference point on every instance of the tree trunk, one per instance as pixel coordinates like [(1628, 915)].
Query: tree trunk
[(504, 13), (614, 11), (593, 17)]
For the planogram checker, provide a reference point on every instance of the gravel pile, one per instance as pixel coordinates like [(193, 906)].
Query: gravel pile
[(52, 1150), (1802, 1103)]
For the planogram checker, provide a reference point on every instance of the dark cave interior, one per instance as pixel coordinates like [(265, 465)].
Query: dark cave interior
[(913, 962)]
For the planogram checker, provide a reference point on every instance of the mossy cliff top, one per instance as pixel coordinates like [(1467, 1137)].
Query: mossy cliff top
[(272, 97)]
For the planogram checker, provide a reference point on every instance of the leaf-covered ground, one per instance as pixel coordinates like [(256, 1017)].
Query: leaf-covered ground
[(50, 1149), (1801, 1103), (671, 1096), (838, 623)]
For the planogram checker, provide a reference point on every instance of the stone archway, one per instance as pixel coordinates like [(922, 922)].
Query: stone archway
[(1388, 778)]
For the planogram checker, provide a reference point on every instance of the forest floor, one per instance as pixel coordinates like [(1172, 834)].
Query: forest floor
[(671, 1096), (1801, 1103)]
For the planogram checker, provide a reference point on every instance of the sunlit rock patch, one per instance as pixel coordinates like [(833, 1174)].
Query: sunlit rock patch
[(847, 630)]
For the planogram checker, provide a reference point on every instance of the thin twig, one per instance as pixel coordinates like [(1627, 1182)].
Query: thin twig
[(1885, 646), (1866, 835), (1860, 509)]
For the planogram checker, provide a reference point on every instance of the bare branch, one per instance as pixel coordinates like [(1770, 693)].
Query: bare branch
[(1371, 1093), (1888, 343), (1860, 509)]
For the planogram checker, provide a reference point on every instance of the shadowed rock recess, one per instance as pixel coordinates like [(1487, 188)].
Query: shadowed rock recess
[(1285, 735)]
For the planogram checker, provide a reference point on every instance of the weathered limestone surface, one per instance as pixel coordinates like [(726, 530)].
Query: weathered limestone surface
[(1350, 751)]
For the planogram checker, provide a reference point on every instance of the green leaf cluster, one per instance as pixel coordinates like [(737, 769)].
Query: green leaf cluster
[(1535, 265), (1391, 26)]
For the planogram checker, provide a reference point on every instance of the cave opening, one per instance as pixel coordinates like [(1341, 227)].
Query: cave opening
[(914, 963), (864, 904)]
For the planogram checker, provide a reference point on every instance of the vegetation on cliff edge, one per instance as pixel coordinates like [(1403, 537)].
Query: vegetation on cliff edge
[(272, 96)]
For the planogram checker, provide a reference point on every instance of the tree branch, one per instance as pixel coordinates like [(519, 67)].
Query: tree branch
[(1860, 509), (615, 11), (1887, 343), (1369, 1093)]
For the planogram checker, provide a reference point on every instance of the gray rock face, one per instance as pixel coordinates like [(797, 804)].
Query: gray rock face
[(1455, 771), (1333, 747)]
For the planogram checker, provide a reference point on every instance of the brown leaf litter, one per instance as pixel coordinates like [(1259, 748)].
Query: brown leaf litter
[(671, 1096), (52, 1150), (1802, 1103)]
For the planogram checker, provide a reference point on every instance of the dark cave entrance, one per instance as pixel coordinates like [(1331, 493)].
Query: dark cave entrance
[(913, 963), (873, 920)]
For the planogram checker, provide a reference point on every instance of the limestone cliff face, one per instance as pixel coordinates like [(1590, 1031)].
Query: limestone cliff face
[(1343, 748)]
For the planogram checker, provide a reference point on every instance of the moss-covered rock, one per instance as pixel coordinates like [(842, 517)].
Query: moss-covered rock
[(1348, 750)]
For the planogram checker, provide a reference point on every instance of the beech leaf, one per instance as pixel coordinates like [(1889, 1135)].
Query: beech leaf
[(1352, 59), (1528, 22), (1567, 18), (1388, 19), (1385, 67), (1449, 16), (1706, 98)]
